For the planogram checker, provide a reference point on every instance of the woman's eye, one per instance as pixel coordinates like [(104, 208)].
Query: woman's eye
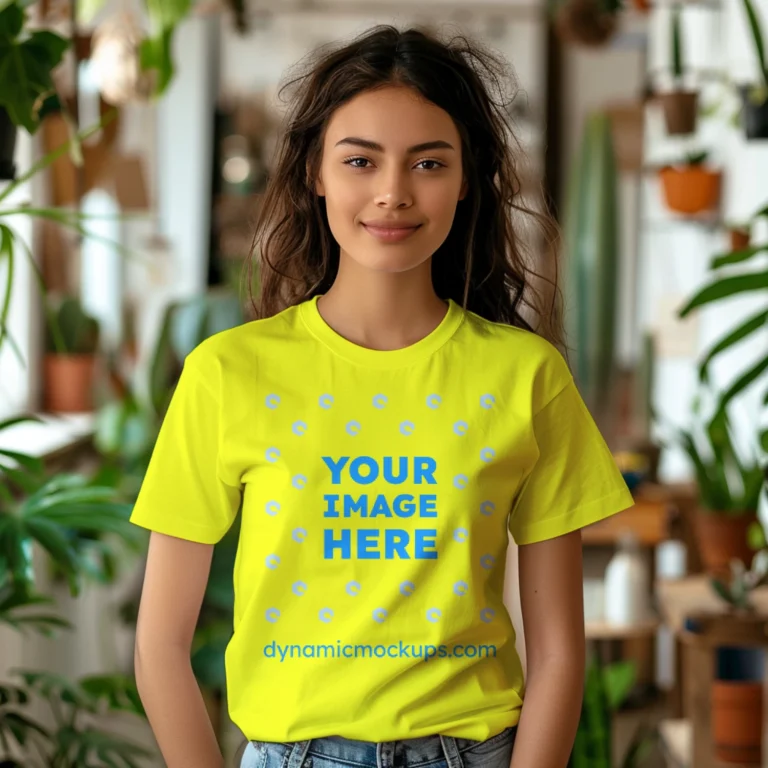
[(352, 160), (435, 163)]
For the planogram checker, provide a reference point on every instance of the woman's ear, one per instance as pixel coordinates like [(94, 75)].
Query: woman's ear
[(464, 189), (319, 186)]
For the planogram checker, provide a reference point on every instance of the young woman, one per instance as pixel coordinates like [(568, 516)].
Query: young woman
[(382, 426)]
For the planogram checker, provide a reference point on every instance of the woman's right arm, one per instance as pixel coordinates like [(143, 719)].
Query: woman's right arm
[(174, 584)]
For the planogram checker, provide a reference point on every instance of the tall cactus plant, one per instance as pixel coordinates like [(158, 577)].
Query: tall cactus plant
[(592, 254)]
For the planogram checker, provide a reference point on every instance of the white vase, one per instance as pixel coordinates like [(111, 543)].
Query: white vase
[(627, 585)]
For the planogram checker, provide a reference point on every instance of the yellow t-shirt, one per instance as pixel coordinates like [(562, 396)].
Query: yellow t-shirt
[(378, 489)]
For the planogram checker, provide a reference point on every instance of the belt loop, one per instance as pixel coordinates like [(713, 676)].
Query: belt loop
[(451, 751), (385, 754), (298, 753)]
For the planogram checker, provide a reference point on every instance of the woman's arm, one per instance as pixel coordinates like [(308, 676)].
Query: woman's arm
[(174, 584), (552, 607)]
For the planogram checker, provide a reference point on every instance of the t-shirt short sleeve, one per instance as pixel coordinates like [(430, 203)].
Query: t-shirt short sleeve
[(183, 493), (575, 480)]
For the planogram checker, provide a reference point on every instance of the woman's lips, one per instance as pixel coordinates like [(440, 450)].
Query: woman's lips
[(390, 234)]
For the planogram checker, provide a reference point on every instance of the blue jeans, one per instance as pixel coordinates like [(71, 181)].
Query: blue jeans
[(425, 752)]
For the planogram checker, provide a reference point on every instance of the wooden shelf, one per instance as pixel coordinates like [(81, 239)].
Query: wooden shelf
[(601, 630), (677, 736), (649, 520)]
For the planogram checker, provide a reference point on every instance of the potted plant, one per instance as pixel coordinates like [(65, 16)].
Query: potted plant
[(606, 688), (591, 23), (739, 234), (689, 186), (729, 490), (737, 690), (755, 95), (680, 105), (72, 519), (29, 58), (70, 360), (725, 286)]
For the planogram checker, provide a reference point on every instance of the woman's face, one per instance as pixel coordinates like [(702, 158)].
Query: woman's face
[(390, 156)]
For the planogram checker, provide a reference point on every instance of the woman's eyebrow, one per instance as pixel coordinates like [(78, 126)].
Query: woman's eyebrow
[(374, 147)]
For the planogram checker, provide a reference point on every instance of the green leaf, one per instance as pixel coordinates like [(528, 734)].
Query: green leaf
[(757, 38), (736, 257), (26, 67), (619, 679), (677, 55), (155, 52), (727, 286), (6, 252), (742, 382), (19, 420), (748, 327)]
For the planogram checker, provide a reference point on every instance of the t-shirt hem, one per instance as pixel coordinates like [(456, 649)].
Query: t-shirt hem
[(577, 518), (179, 530)]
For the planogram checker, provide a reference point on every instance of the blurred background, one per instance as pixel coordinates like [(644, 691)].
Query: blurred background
[(135, 140)]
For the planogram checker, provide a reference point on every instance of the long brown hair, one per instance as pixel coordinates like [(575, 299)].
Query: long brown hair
[(485, 263)]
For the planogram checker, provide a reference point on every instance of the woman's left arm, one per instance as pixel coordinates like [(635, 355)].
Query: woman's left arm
[(552, 607)]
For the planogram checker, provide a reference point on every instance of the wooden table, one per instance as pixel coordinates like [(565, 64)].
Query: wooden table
[(692, 598)]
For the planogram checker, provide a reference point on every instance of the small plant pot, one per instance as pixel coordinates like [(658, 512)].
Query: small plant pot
[(740, 238), (644, 6), (69, 381), (680, 111), (690, 189), (8, 133), (754, 117), (722, 537), (737, 721), (585, 22)]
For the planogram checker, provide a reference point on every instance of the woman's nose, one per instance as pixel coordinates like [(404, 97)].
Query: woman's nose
[(394, 189)]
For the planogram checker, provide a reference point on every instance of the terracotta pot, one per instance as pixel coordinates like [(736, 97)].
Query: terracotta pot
[(690, 189), (680, 111), (642, 5), (585, 22), (722, 537), (737, 719), (69, 383), (740, 238)]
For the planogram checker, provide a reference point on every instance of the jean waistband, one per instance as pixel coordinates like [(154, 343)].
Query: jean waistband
[(382, 753)]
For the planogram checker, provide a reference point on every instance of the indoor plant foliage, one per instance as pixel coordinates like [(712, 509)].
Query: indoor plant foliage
[(680, 104), (70, 362), (729, 489), (724, 286), (605, 690), (736, 590), (689, 186), (79, 525), (755, 95), (591, 244)]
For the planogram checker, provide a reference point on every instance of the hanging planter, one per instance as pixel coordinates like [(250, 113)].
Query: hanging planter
[(591, 23), (7, 146), (754, 97), (680, 111), (680, 105), (754, 112), (691, 188)]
